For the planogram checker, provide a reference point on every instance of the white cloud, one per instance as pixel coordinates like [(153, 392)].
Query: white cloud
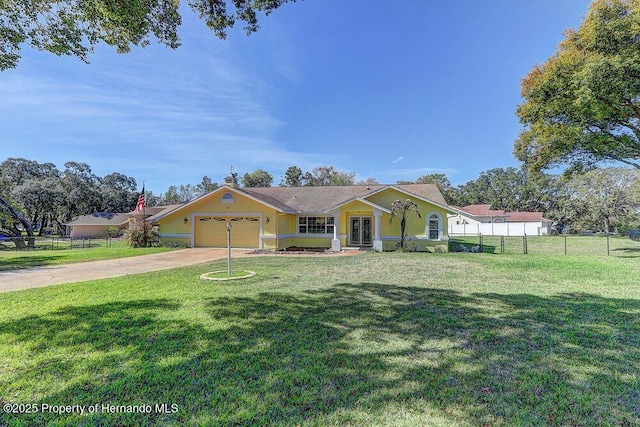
[(192, 111), (413, 173)]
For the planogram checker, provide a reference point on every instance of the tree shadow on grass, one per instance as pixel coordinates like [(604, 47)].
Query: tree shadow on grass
[(25, 262), (357, 354), (627, 252)]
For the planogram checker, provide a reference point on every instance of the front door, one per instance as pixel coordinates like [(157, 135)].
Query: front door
[(360, 230)]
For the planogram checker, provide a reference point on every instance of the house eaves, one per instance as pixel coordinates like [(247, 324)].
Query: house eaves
[(167, 209)]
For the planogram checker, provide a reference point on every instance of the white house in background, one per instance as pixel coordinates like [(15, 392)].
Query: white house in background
[(474, 220)]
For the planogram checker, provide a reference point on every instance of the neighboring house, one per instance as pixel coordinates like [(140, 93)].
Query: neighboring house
[(93, 225), (474, 220), (325, 217)]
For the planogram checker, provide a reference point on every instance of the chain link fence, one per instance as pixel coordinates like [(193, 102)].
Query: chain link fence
[(571, 244), (54, 243)]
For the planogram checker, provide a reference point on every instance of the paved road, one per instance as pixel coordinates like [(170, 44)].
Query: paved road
[(13, 280)]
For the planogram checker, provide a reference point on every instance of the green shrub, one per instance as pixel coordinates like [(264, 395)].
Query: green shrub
[(137, 236), (178, 245), (111, 231)]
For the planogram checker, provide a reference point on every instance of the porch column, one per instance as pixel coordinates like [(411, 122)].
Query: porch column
[(335, 243), (377, 239)]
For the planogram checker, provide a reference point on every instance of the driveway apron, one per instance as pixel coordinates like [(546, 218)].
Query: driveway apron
[(13, 280)]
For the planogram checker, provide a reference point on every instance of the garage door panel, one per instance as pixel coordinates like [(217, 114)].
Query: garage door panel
[(212, 231), (244, 233)]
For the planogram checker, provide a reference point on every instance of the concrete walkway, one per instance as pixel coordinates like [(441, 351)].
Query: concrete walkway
[(13, 280)]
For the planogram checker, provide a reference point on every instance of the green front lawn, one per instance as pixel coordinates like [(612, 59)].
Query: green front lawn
[(400, 339), (47, 252)]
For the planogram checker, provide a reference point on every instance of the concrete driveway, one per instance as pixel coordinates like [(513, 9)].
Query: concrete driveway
[(13, 280)]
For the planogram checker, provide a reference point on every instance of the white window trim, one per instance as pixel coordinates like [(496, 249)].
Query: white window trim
[(440, 225), (328, 218)]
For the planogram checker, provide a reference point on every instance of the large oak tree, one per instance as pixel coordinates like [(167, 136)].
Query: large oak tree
[(33, 194), (510, 189), (328, 175), (257, 178), (74, 27), (582, 106), (600, 199)]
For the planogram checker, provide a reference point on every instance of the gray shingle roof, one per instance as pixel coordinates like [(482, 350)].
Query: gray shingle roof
[(102, 218), (316, 199), (119, 219), (322, 199)]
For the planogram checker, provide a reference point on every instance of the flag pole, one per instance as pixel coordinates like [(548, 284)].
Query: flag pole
[(144, 215)]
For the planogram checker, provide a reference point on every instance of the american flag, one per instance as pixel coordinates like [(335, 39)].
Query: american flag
[(140, 205)]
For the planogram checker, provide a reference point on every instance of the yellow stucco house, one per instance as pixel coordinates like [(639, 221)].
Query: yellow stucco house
[(331, 217)]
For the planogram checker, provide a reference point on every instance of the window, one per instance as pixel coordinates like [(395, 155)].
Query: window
[(227, 198), (434, 226), (315, 224)]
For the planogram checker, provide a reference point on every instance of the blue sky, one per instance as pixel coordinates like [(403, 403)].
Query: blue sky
[(389, 90)]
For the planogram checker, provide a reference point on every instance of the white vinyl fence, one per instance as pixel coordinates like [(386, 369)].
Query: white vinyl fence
[(498, 229)]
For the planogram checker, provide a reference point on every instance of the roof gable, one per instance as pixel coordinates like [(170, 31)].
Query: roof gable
[(161, 211), (428, 193), (364, 201), (223, 189), (425, 191)]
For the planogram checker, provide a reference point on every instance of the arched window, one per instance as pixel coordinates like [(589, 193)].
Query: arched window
[(227, 198), (434, 226)]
